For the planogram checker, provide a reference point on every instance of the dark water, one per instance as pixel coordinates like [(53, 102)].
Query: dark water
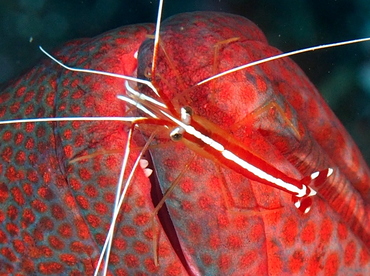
[(342, 75)]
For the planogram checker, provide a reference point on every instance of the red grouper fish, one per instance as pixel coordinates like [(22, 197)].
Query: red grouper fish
[(58, 179)]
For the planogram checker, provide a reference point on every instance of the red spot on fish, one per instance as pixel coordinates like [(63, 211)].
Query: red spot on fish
[(187, 186), (82, 202), (49, 268), (308, 233), (141, 219), (85, 174), (350, 253), (204, 203), (331, 264), (101, 208), (93, 220), (19, 246), (78, 247), (2, 234), (7, 154), (8, 254), (120, 244), (65, 230), (68, 259), (67, 134), (12, 229), (18, 138), (55, 243), (34, 177), (12, 174), (296, 261), (58, 212), (128, 231), (75, 184), (28, 217), (326, 230), (20, 158), (7, 136), (141, 247), (45, 193), (39, 206), (27, 188), (30, 144), (290, 231), (18, 196), (14, 108), (68, 151), (131, 260), (12, 212)]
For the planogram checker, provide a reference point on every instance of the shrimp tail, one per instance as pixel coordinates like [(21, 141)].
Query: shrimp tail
[(302, 204), (318, 178)]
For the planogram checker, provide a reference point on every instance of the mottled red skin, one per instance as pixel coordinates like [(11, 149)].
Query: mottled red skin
[(54, 215), (245, 226)]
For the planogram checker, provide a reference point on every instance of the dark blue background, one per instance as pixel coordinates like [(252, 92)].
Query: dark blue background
[(342, 74)]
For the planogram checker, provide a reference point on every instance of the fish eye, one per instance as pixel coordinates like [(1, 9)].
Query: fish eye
[(148, 73), (177, 134)]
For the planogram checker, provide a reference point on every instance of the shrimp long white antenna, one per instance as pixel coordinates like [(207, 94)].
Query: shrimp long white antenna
[(137, 105), (116, 202), (97, 72), (109, 237), (120, 198), (288, 54), (157, 30), (68, 119)]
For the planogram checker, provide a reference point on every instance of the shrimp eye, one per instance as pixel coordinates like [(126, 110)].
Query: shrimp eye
[(177, 134), (186, 113), (188, 110)]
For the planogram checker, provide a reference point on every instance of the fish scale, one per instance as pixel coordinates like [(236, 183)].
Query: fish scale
[(287, 242), (56, 211)]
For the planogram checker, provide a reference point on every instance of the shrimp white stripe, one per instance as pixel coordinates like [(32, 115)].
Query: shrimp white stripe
[(263, 175)]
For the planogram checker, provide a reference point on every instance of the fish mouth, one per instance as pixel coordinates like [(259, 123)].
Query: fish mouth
[(163, 215)]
